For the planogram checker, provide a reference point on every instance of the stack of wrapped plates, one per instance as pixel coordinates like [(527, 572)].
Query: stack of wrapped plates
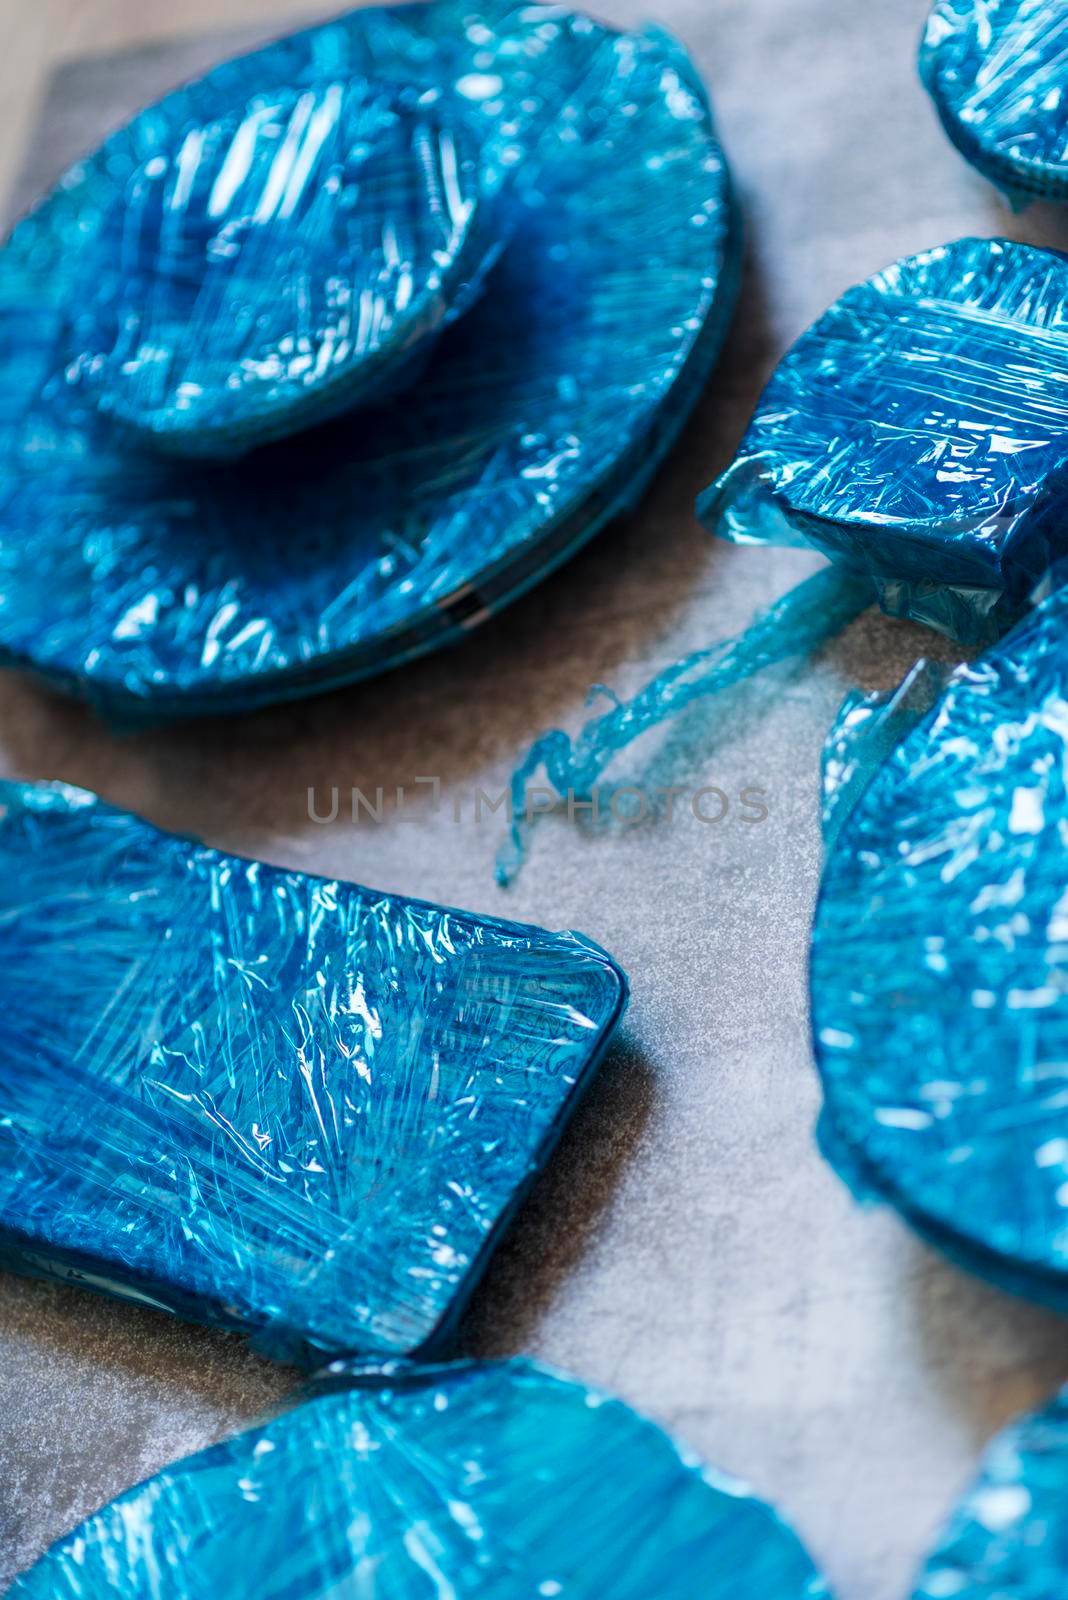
[(327, 356)]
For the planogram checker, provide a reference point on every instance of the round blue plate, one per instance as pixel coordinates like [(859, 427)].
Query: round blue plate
[(281, 264)]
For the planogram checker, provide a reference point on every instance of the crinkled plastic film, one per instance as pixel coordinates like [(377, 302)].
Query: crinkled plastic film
[(273, 265), (1009, 1535), (489, 1481), (160, 588), (939, 968), (918, 431), (867, 729), (995, 70), (917, 435), (278, 1103)]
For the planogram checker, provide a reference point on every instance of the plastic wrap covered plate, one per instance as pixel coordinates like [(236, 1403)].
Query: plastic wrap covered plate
[(995, 70), (277, 1103), (918, 431), (939, 969), (471, 1482), (543, 393), (282, 262), (1008, 1539)]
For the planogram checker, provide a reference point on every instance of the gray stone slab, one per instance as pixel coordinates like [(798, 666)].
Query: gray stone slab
[(688, 1248)]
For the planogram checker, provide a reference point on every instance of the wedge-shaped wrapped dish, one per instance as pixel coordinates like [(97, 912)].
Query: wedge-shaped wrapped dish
[(476, 1482), (918, 432), (940, 966), (281, 1104), (917, 435), (995, 70), (1008, 1538), (495, 244)]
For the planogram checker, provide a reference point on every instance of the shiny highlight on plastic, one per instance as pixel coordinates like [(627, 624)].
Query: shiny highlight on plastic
[(510, 407), (476, 1482), (996, 72), (1009, 1535), (939, 967), (918, 431)]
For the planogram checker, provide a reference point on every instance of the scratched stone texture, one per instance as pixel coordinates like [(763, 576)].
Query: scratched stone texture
[(688, 1248)]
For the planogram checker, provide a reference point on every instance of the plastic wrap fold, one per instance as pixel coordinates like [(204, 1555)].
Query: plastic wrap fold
[(278, 1103), (476, 1482), (791, 629), (549, 388), (1008, 1538), (919, 432), (995, 70), (939, 967)]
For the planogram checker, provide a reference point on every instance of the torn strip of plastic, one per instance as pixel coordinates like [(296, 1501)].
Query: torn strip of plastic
[(794, 626)]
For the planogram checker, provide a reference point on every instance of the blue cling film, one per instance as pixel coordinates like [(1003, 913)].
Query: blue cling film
[(272, 1102), (471, 1482), (275, 262), (590, 264), (917, 435), (918, 431), (794, 626), (939, 967), (1009, 1535), (995, 70), (867, 729)]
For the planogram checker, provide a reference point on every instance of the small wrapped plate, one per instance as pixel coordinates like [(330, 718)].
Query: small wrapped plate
[(539, 400), (919, 432), (995, 70), (271, 1102), (939, 969), (269, 268), (476, 1482)]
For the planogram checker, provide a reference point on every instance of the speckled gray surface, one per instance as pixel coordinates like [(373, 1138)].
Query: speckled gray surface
[(688, 1248)]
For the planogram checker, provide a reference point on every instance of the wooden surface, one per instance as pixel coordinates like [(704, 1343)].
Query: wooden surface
[(688, 1248)]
